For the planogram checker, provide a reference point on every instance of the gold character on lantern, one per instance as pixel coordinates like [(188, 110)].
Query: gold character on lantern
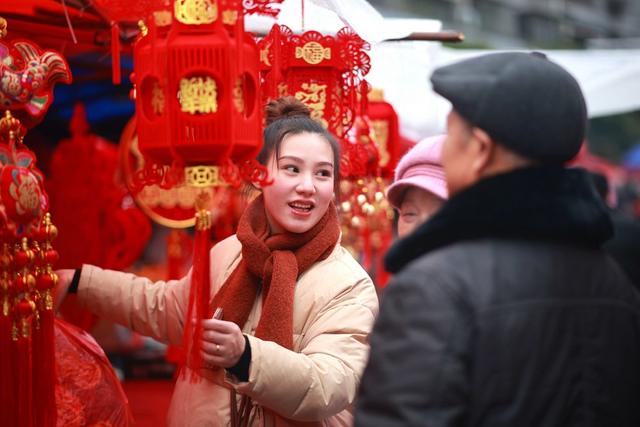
[(314, 96), (162, 18), (283, 89), (196, 12), (313, 53), (229, 17), (198, 95)]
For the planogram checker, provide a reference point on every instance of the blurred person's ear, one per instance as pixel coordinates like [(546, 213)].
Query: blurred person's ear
[(484, 156)]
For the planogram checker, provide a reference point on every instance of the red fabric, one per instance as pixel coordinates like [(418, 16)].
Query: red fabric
[(276, 261), (87, 392)]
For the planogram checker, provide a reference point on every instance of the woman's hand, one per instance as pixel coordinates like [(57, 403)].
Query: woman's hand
[(62, 287), (222, 343)]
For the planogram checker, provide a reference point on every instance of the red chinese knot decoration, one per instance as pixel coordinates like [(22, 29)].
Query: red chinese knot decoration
[(27, 76)]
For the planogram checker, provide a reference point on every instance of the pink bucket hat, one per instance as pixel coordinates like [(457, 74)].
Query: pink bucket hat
[(419, 167)]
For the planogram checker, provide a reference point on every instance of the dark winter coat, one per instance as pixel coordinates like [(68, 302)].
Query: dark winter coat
[(505, 312)]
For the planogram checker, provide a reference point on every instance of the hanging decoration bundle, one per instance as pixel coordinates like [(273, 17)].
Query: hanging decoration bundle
[(27, 77), (324, 72), (327, 74), (199, 120)]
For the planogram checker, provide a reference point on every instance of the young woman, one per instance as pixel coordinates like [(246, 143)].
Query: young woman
[(296, 307), (419, 188)]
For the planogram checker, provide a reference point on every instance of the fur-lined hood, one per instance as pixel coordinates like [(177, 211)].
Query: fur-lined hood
[(549, 204)]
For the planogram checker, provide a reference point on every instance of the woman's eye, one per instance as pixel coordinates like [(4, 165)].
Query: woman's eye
[(291, 168), (325, 173)]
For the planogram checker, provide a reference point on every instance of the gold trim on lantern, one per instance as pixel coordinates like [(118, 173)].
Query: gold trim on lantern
[(376, 95), (314, 96), (229, 17), (203, 220), (203, 215), (3, 27), (313, 53), (143, 28), (198, 95), (11, 128), (203, 176), (264, 56), (162, 18), (196, 12)]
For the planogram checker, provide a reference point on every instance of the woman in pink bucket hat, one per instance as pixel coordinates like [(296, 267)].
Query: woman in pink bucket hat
[(419, 187)]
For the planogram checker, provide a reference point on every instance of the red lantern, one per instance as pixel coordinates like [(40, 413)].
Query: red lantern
[(322, 71), (386, 131), (197, 94)]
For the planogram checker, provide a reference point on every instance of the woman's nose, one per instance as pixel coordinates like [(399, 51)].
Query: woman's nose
[(306, 184)]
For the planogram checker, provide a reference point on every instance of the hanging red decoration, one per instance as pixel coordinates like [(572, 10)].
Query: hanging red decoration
[(121, 11), (27, 76), (197, 95), (322, 71), (366, 218), (108, 231), (386, 131), (327, 74), (199, 120)]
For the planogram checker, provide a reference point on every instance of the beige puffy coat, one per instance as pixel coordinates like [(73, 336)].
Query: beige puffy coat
[(334, 308)]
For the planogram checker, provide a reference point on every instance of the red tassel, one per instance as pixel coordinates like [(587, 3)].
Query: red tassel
[(115, 53), (7, 391), (22, 376), (44, 370), (198, 294)]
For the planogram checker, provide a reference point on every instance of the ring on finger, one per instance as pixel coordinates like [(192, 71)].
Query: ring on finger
[(217, 348)]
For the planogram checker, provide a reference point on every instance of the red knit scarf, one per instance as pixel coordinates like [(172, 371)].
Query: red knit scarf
[(274, 262)]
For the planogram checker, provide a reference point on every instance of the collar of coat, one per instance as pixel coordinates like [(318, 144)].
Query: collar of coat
[(548, 204)]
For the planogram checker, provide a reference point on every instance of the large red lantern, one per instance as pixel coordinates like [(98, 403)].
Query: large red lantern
[(197, 92)]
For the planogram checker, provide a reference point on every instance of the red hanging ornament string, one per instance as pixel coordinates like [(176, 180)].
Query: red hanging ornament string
[(27, 395), (43, 343), (22, 361), (199, 292), (6, 372)]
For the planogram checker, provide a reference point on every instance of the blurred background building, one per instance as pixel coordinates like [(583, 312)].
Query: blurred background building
[(531, 23)]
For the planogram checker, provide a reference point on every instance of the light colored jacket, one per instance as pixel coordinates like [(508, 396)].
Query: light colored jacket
[(334, 308)]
